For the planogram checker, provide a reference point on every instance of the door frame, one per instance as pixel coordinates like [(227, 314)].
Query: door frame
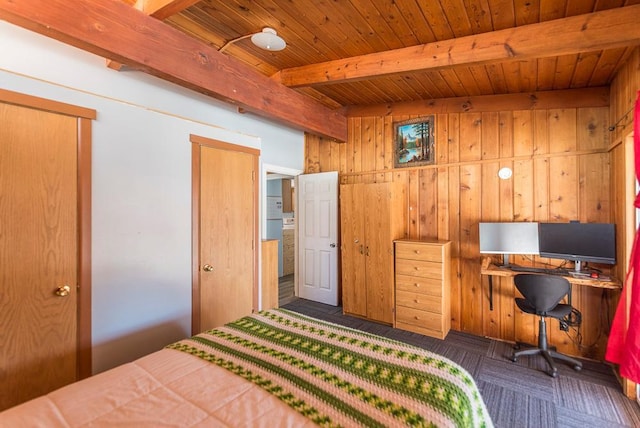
[(197, 142), (84, 118), (284, 172)]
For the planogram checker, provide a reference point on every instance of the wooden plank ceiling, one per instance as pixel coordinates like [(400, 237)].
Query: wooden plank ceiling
[(367, 52), (342, 56)]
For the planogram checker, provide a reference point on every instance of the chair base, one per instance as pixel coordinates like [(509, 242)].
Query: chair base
[(524, 345), (549, 353)]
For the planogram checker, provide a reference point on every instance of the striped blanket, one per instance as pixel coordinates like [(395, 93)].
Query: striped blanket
[(337, 376)]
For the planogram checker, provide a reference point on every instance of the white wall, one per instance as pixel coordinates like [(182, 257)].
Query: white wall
[(141, 183)]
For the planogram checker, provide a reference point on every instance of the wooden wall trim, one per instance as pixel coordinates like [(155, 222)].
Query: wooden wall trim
[(222, 145), (629, 234), (19, 99), (570, 98), (195, 238), (84, 238), (483, 161)]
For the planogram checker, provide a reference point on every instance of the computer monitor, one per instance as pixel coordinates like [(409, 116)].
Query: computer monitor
[(509, 238), (578, 242)]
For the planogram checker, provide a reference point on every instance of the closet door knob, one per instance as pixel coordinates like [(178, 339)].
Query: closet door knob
[(207, 268), (63, 291)]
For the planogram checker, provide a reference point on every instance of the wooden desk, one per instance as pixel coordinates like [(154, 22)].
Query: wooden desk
[(490, 269)]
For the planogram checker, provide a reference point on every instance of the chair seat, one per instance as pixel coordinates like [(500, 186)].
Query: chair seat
[(560, 311)]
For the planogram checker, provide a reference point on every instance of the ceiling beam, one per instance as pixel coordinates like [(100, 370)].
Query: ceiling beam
[(606, 29), (162, 9), (117, 31)]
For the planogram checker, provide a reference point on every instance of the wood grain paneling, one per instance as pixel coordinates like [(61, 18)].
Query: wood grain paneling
[(561, 167), (624, 90), (269, 274)]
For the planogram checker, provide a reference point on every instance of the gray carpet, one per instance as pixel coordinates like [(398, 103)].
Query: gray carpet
[(516, 394)]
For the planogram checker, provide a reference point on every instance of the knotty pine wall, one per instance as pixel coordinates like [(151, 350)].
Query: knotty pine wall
[(624, 90), (561, 171)]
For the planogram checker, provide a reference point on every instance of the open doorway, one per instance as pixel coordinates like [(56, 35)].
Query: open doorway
[(279, 223)]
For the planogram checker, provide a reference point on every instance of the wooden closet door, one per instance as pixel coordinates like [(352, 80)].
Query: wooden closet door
[(353, 241), (379, 251), (38, 252), (227, 233)]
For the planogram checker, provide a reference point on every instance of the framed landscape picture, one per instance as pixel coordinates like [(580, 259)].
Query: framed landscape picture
[(413, 142)]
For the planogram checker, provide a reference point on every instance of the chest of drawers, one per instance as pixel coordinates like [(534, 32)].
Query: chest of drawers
[(423, 302)]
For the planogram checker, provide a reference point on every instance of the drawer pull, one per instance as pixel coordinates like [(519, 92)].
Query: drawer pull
[(416, 317), (417, 285), (417, 251), (417, 301)]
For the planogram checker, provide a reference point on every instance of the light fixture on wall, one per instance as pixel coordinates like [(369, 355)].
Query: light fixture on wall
[(267, 39), (505, 173)]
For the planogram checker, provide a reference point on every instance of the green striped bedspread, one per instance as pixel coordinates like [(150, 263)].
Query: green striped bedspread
[(337, 376)]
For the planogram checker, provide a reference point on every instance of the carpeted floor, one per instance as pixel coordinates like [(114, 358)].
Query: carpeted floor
[(516, 394)]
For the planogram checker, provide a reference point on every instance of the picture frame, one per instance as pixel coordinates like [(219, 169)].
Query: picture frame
[(413, 143)]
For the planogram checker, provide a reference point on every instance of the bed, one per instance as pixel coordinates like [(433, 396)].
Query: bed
[(275, 368)]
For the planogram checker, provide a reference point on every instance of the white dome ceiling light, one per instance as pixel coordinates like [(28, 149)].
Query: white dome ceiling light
[(268, 39)]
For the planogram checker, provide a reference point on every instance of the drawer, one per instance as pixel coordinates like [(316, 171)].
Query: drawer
[(424, 319), (419, 268), (416, 284), (418, 251), (423, 302)]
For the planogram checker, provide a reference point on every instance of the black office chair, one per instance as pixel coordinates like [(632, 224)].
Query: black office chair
[(542, 296)]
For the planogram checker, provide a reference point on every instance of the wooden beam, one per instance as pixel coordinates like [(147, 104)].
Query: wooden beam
[(606, 29), (570, 98), (117, 31), (162, 9)]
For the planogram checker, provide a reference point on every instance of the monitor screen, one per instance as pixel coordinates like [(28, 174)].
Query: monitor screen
[(509, 238), (579, 242)]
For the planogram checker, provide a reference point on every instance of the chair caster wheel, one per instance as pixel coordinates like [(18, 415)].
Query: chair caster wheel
[(553, 373), (514, 358), (577, 367)]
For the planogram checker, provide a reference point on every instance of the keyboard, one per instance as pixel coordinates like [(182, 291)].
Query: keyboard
[(548, 271)]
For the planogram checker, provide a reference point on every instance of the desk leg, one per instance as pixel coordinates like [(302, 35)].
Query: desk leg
[(490, 292)]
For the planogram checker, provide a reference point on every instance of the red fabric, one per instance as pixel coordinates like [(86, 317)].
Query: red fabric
[(623, 347)]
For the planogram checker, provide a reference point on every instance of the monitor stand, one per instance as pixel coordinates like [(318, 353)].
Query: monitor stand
[(505, 261), (578, 266)]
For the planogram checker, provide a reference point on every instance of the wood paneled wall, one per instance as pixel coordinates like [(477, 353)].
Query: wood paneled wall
[(561, 171), (624, 91)]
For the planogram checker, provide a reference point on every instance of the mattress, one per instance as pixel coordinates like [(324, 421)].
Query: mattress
[(275, 368)]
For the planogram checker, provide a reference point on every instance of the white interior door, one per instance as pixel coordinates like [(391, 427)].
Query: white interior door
[(318, 237)]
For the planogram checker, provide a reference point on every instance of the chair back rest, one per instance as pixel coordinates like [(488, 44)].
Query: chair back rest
[(543, 292)]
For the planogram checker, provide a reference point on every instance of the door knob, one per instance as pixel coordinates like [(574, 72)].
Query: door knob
[(207, 268), (63, 291), (332, 245)]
